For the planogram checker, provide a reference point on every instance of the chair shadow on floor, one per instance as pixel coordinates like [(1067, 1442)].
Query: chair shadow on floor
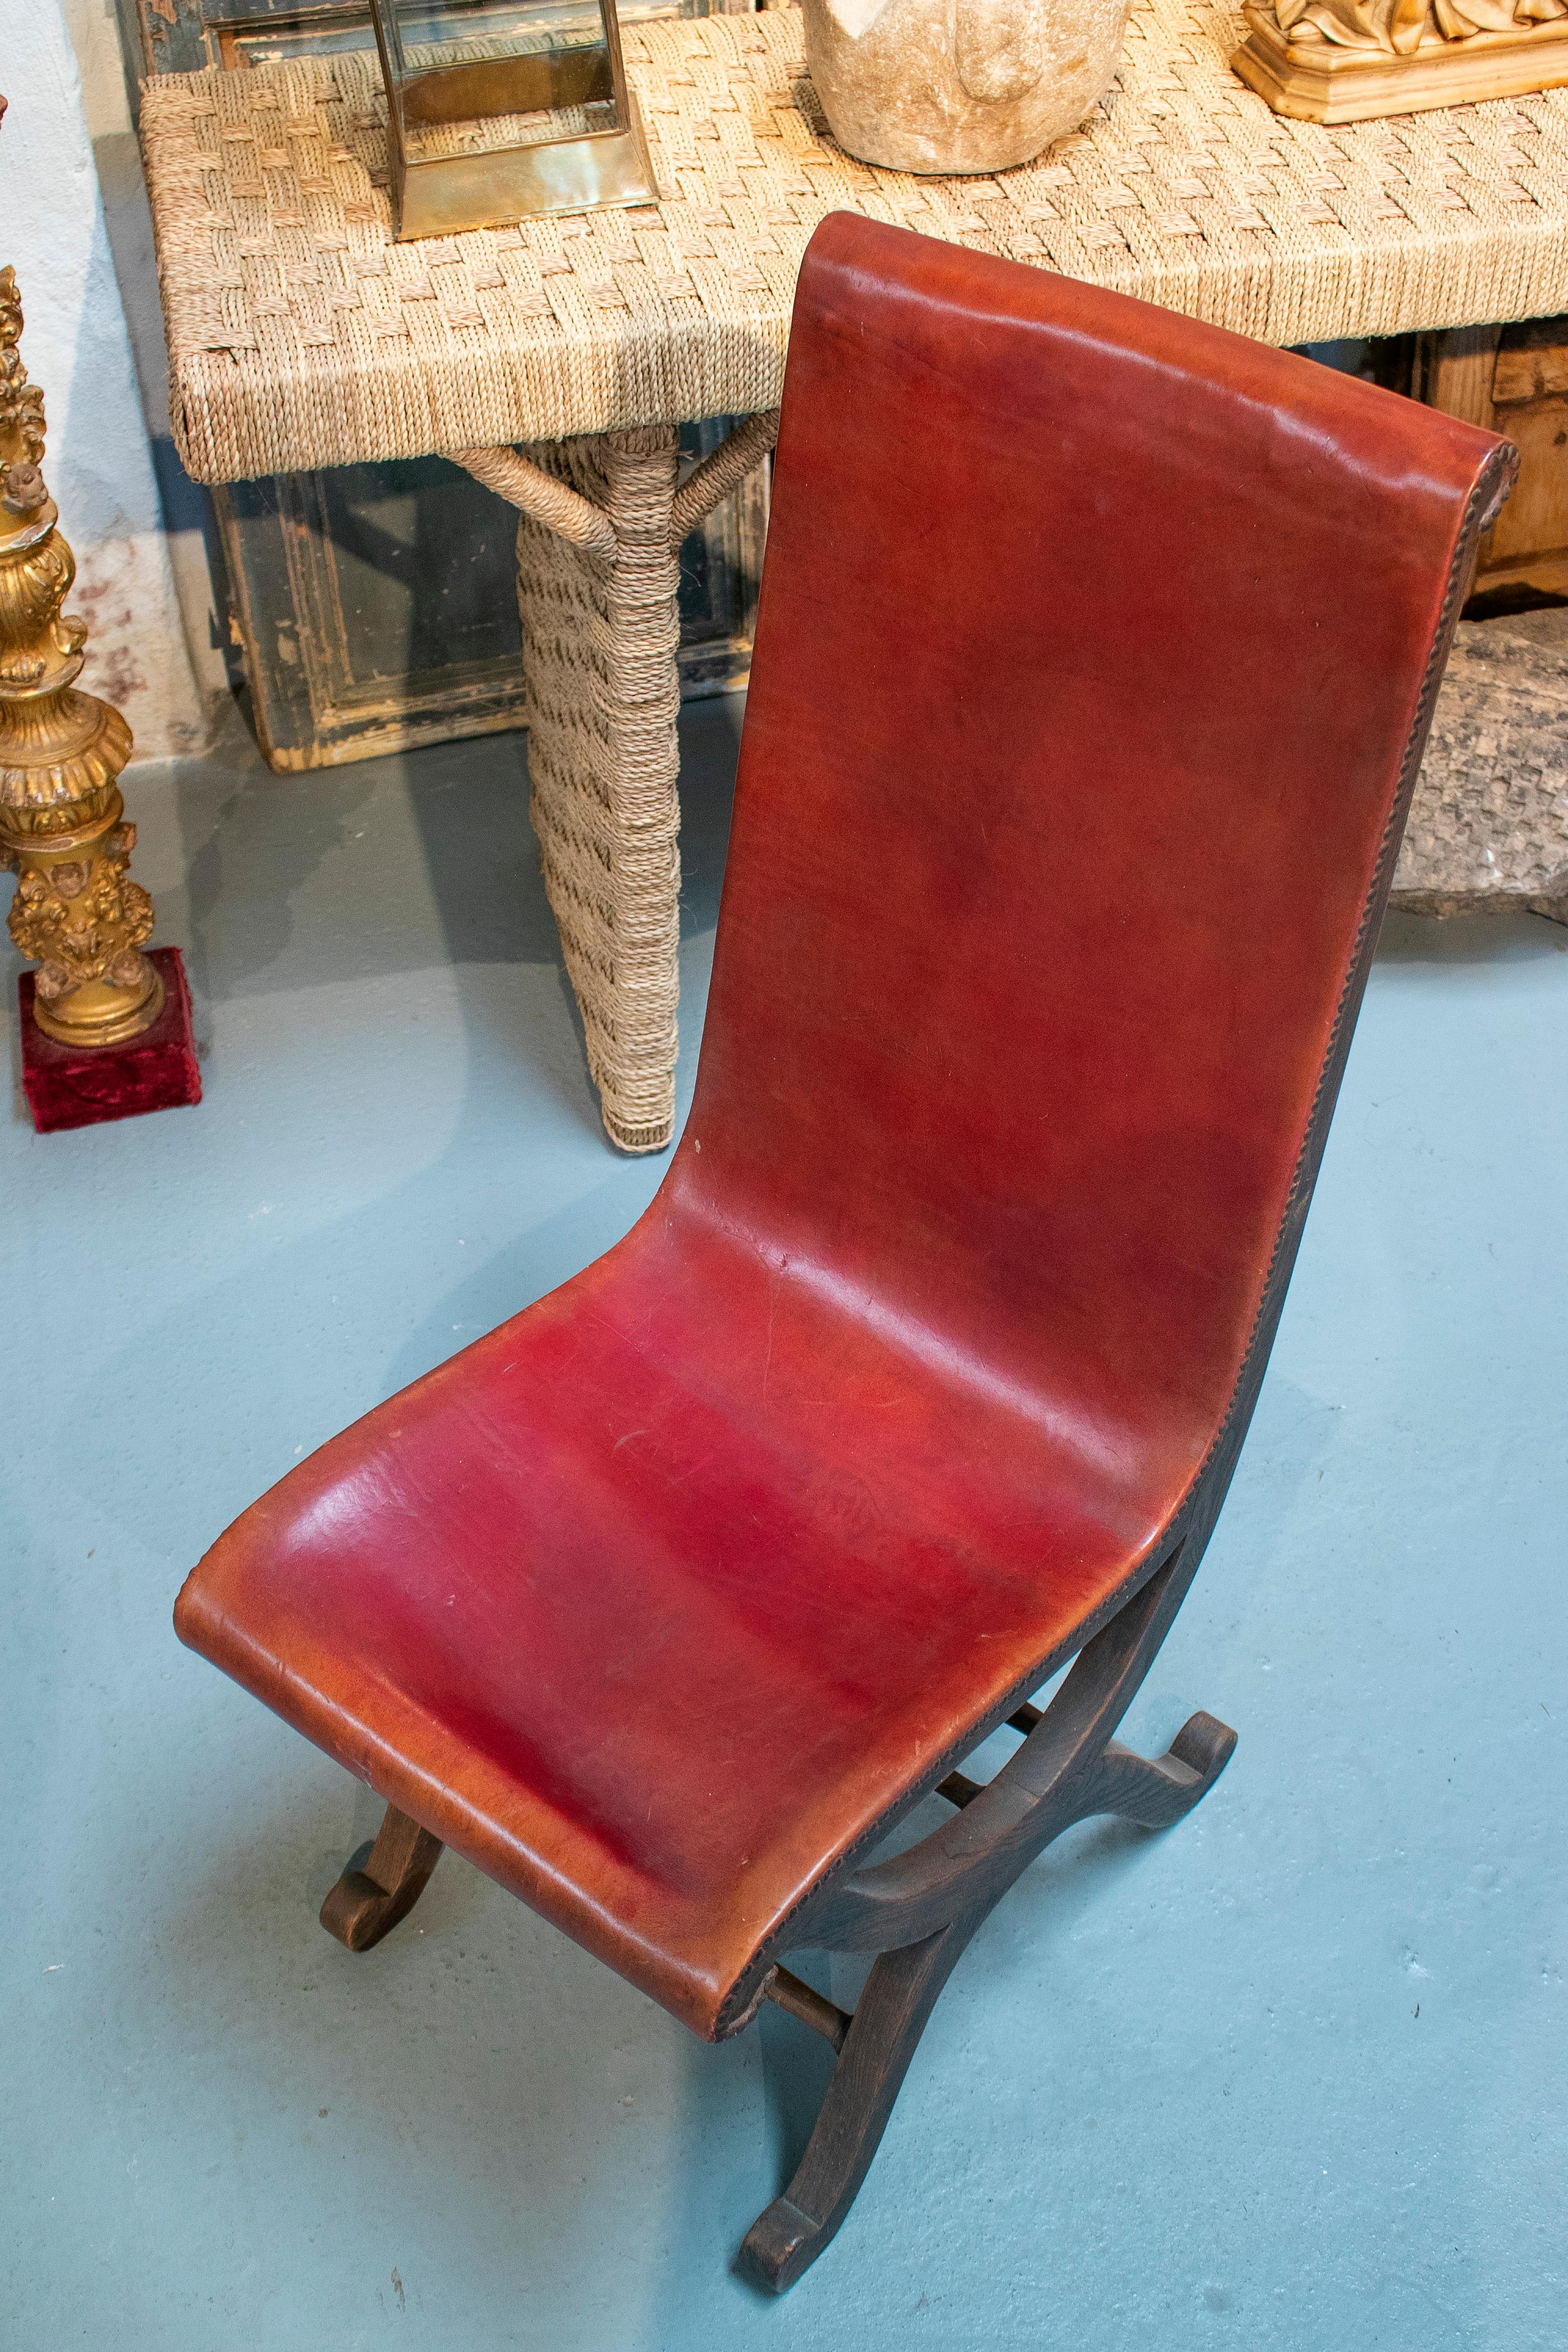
[(517, 2156), (498, 2128)]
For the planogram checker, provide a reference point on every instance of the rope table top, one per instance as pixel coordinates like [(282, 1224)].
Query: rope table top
[(301, 336)]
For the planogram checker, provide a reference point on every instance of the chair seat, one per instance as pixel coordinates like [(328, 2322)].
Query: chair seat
[(653, 1602)]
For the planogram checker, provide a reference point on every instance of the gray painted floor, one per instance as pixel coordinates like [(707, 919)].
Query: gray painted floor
[(1290, 2076)]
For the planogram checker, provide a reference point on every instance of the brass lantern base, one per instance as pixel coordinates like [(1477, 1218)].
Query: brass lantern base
[(442, 195)]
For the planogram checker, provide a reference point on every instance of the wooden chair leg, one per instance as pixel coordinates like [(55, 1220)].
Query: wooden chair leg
[(365, 1904), (1157, 1791), (889, 2019), (1068, 1770)]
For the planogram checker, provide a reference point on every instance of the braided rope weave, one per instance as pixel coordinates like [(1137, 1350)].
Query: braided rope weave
[(602, 692), (300, 335)]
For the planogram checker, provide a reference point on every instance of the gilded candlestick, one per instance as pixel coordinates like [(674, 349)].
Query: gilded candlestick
[(62, 820)]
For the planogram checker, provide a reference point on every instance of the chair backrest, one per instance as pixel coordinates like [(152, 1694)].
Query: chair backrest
[(1094, 661)]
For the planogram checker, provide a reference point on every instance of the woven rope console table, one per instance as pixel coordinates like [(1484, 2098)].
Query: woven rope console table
[(301, 336)]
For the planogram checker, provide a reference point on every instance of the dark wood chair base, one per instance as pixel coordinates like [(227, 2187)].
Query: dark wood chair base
[(364, 1905), (918, 1911), (1066, 1770), (890, 2018)]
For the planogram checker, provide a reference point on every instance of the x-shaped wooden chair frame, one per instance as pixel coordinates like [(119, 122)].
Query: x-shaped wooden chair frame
[(918, 1910)]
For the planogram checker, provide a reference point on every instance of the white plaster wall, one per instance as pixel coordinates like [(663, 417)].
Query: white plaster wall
[(98, 462)]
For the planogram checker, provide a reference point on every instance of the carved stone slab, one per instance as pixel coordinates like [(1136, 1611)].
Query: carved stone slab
[(1488, 825)]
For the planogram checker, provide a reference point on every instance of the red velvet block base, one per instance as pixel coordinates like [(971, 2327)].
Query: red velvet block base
[(67, 1086)]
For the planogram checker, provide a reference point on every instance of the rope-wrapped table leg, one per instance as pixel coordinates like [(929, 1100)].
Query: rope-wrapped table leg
[(600, 634), (597, 567)]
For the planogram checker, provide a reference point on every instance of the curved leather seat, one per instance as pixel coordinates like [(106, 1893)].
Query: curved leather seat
[(1094, 654)]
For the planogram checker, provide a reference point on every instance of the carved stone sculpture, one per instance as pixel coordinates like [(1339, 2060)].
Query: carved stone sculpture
[(959, 85), (62, 825), (1488, 825)]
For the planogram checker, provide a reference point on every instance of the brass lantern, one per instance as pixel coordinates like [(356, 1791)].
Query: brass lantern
[(499, 108)]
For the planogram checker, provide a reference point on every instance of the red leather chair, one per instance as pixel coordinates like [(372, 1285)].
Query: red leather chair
[(1096, 656)]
